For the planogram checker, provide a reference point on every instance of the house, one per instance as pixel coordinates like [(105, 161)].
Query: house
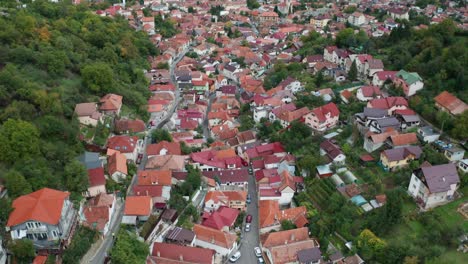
[(282, 247), (287, 117), (399, 157), (168, 162), (97, 182), (333, 152), (212, 160), (433, 186), (117, 166), (46, 217), (163, 148), (221, 219), (310, 256), (180, 236), (390, 104), (90, 160), (401, 140), (373, 141), (373, 66), (280, 188), (171, 253), (409, 82), (408, 119), (229, 180), (88, 114), (129, 146), (449, 103), (367, 93), (454, 153), (323, 118), (398, 13), (98, 212), (365, 118), (268, 17), (427, 134), (137, 208), (270, 216), (125, 126), (223, 243), (232, 199), (381, 125), (110, 104), (381, 77), (463, 165), (357, 19)]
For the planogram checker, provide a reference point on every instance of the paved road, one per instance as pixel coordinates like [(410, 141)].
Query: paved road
[(206, 130), (251, 239)]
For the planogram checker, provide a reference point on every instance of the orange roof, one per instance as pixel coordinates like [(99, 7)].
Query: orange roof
[(138, 205), (226, 153), (301, 221), (268, 211), (404, 139), (155, 177), (172, 148), (288, 236), (43, 206), (117, 162), (226, 195), (213, 236), (451, 103), (111, 102), (40, 259)]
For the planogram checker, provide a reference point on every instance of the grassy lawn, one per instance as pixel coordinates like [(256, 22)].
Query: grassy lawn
[(450, 215), (450, 257)]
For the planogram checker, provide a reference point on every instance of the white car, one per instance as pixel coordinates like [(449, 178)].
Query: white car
[(258, 252), (235, 257), (247, 227)]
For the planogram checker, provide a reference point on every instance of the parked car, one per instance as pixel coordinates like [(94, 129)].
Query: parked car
[(139, 158), (260, 260), (258, 251), (247, 227), (248, 219), (249, 199), (235, 257)]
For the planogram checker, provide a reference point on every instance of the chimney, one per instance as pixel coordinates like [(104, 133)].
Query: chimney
[(443, 178), (181, 257), (158, 253), (293, 237)]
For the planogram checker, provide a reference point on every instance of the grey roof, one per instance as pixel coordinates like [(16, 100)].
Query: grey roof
[(309, 255), (336, 256), (180, 235), (374, 112), (427, 130), (440, 177), (90, 160), (401, 153), (388, 122), (410, 118)]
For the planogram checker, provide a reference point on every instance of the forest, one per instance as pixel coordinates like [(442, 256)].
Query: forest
[(53, 56)]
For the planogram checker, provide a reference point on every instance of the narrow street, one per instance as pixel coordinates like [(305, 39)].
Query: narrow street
[(206, 131)]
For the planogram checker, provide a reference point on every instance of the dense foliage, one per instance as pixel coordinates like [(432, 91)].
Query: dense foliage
[(53, 56), (81, 243), (128, 249)]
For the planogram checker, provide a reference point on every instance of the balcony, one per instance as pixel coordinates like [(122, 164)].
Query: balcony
[(40, 229)]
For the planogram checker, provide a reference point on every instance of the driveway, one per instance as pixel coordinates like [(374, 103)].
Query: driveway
[(251, 239)]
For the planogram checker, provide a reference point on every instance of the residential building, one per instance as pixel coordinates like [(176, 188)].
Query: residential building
[(367, 93), (137, 208), (232, 199), (125, 126), (333, 152), (180, 236), (433, 186), (88, 114), (171, 253), (281, 188), (117, 166), (357, 19), (163, 148), (45, 216), (282, 247), (373, 141), (268, 17), (3, 254), (212, 160), (130, 146), (323, 118), (168, 162), (454, 154), (399, 157), (223, 243), (98, 212), (390, 104), (97, 182), (381, 77), (398, 13), (427, 134), (310, 256), (410, 82), (229, 180), (270, 216), (90, 160), (222, 219), (463, 165), (381, 125), (449, 103), (111, 104)]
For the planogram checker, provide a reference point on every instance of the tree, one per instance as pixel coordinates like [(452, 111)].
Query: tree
[(23, 250), (191, 9), (163, 65), (460, 129), (5, 204), (369, 244), (16, 184), (18, 140), (287, 225), (160, 135), (128, 249), (98, 77), (352, 74), (252, 4), (75, 177)]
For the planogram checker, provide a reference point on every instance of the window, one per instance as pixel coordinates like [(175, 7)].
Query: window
[(414, 186)]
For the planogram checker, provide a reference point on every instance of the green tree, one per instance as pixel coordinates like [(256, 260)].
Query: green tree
[(5, 204), (160, 135), (18, 140), (369, 245), (98, 77), (191, 10), (23, 250), (352, 74), (163, 65), (76, 177), (287, 225), (128, 249), (252, 4), (460, 129), (16, 184)]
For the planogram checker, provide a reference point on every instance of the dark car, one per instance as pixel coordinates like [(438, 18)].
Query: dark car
[(248, 219), (139, 158), (249, 199)]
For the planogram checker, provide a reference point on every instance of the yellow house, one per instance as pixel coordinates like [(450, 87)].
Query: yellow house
[(399, 157)]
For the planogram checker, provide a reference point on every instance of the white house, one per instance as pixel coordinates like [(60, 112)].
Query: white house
[(410, 82), (88, 114), (463, 165), (454, 154), (427, 134), (357, 19), (222, 242), (333, 152), (261, 112), (434, 185)]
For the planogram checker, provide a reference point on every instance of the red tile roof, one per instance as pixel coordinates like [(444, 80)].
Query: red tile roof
[(40, 259), (117, 162), (328, 109), (124, 144), (165, 251), (111, 102), (133, 126), (451, 103), (155, 177), (96, 177), (213, 236), (148, 190), (44, 205), (288, 236), (138, 205), (172, 148), (225, 216), (404, 139)]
